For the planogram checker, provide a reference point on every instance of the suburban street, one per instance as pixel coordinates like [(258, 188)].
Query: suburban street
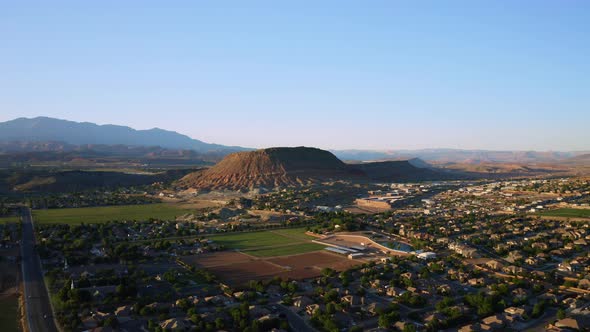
[(37, 306), (295, 321)]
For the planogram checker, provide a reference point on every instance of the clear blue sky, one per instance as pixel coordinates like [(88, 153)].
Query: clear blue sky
[(332, 74)]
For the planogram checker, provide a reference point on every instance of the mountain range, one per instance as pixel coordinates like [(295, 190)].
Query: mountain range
[(44, 134), (69, 133), (442, 156)]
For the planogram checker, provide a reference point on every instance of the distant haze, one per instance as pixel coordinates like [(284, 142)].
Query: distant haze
[(383, 75)]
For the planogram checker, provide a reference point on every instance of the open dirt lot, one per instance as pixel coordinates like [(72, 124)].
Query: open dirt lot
[(217, 259), (311, 264), (240, 273), (236, 268)]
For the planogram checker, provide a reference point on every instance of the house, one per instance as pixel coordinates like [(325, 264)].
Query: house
[(514, 256), (394, 291), (540, 245), (408, 275), (377, 284), (476, 281), (570, 323), (401, 325), (176, 324), (584, 283), (302, 302), (219, 300), (374, 308), (515, 312), (312, 308), (519, 294), (427, 255), (495, 321), (512, 269), (353, 300), (443, 289), (124, 311), (494, 265)]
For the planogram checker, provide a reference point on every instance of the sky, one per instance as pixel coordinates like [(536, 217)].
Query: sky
[(383, 75)]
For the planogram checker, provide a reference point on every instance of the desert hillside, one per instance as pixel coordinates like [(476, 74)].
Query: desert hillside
[(270, 168), (287, 167)]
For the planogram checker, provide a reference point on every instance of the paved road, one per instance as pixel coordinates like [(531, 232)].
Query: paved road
[(296, 322), (37, 307)]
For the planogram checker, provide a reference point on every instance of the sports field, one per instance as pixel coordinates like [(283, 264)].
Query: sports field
[(568, 213), (12, 219), (252, 240), (93, 215), (270, 243)]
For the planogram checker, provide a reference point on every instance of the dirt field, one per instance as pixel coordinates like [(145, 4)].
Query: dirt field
[(217, 259), (311, 264), (235, 268), (9, 316), (240, 273), (8, 270)]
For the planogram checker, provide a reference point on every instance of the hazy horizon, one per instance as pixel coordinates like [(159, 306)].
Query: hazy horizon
[(334, 75)]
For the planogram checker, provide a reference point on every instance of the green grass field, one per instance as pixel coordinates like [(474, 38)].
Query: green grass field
[(568, 213), (11, 219), (298, 233), (9, 314), (298, 248), (277, 242), (93, 215), (252, 240)]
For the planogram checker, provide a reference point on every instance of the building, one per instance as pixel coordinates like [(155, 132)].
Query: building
[(428, 255)]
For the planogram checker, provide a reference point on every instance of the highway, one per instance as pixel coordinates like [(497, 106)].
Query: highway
[(37, 306)]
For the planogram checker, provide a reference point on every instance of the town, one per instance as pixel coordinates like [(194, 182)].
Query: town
[(456, 255)]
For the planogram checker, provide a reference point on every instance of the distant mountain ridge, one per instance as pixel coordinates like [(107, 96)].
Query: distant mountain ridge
[(45, 129), (458, 156), (299, 166)]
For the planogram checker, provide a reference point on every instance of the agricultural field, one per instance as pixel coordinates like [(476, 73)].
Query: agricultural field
[(91, 215), (568, 213)]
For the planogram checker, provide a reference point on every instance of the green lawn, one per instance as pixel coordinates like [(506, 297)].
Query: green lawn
[(90, 215), (569, 213), (298, 248), (276, 242), (11, 219), (9, 314), (298, 233), (252, 240)]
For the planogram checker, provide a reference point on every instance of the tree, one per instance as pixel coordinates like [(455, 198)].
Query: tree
[(560, 314), (111, 322), (409, 328), (386, 320), (538, 309)]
